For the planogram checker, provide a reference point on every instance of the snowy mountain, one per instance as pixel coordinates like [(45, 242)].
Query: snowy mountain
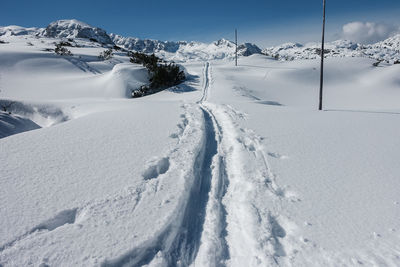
[(186, 50), (248, 49), (178, 51), (14, 30), (388, 50), (76, 29), (222, 49), (61, 29), (145, 45)]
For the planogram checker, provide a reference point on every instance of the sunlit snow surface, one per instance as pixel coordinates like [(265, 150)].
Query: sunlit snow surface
[(235, 167)]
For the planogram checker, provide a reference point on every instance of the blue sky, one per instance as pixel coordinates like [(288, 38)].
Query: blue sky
[(263, 22)]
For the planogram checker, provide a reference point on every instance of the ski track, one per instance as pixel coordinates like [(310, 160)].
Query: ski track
[(242, 232)]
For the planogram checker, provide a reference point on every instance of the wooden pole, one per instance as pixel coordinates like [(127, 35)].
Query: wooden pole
[(236, 51), (322, 58)]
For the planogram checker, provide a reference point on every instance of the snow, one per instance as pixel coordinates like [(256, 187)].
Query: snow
[(235, 167), (10, 124), (330, 187)]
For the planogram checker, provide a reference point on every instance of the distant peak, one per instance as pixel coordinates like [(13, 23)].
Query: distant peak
[(72, 28), (224, 42), (70, 23)]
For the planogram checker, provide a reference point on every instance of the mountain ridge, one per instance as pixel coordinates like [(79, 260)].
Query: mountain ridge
[(388, 49)]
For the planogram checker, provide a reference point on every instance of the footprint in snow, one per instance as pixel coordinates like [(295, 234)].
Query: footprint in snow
[(156, 168)]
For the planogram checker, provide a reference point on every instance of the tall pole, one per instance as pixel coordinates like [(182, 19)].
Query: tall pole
[(236, 51), (322, 58)]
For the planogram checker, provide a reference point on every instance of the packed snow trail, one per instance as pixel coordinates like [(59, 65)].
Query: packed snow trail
[(239, 230), (186, 244), (214, 248)]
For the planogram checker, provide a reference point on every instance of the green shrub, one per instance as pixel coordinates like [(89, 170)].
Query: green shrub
[(106, 54), (162, 75), (148, 61), (61, 50), (166, 75), (376, 64)]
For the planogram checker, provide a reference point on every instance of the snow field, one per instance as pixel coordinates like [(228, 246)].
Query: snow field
[(330, 193), (233, 168)]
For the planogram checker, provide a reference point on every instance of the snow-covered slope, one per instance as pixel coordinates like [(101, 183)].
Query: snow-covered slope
[(54, 77), (388, 50)]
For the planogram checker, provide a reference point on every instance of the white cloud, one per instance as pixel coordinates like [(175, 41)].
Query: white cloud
[(368, 32)]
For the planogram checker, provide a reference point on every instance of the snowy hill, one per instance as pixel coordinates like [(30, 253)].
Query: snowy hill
[(388, 50)]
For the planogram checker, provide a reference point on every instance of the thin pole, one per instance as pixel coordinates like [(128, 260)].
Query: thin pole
[(236, 51), (322, 58)]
